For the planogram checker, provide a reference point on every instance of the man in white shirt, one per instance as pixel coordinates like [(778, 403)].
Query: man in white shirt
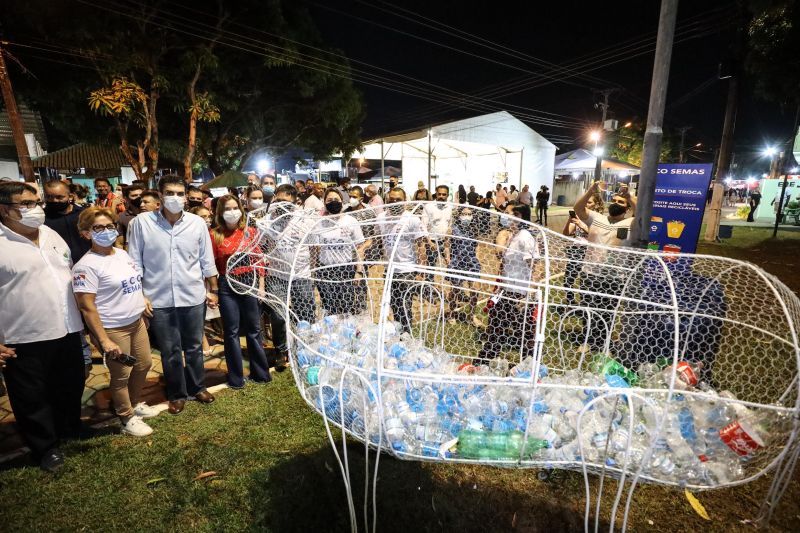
[(314, 202), (436, 218), (402, 232), (604, 272), (40, 326), (172, 251)]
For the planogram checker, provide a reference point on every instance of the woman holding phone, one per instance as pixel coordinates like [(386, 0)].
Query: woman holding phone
[(109, 293)]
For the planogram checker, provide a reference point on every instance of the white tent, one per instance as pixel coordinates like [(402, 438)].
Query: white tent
[(480, 151)]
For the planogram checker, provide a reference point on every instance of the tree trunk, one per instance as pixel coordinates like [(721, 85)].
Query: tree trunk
[(187, 161)]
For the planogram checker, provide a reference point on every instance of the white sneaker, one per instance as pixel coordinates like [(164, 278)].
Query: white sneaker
[(143, 411), (136, 427)]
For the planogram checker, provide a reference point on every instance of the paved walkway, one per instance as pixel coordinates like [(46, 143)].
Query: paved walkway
[(96, 401)]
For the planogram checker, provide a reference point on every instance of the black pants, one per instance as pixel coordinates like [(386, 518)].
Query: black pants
[(303, 306), (432, 254), (575, 254), (505, 330), (402, 298), (45, 385), (602, 307), (337, 289), (541, 214)]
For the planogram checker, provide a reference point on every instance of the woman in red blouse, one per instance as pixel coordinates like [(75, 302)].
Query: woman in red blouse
[(228, 234)]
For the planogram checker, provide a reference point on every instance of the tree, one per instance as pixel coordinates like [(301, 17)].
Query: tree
[(630, 141), (129, 105), (773, 42), (231, 88)]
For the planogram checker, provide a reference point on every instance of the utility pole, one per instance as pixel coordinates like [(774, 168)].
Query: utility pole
[(598, 168), (681, 153), (14, 120), (640, 229)]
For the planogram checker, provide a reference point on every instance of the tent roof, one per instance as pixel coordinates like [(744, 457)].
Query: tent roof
[(82, 155), (444, 130), (584, 159)]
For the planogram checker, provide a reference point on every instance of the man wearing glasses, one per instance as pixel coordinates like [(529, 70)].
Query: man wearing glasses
[(172, 251), (40, 325)]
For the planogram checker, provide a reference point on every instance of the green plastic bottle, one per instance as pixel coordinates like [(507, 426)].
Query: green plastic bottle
[(496, 445), (606, 365)]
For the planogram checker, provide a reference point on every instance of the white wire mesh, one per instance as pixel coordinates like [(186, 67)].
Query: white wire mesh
[(443, 332)]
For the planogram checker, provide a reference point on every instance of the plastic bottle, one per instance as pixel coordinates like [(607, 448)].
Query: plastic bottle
[(488, 445), (687, 376), (606, 365)]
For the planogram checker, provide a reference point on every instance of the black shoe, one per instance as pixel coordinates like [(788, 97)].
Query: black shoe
[(282, 363), (52, 461)]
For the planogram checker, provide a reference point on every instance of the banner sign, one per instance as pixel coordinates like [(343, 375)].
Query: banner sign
[(678, 206)]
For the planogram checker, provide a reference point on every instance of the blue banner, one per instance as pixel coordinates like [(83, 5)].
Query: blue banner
[(678, 206)]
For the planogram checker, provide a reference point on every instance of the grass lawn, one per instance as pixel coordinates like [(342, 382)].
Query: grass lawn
[(275, 471)]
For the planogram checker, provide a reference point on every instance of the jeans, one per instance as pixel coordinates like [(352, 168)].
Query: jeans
[(303, 306), (541, 214), (402, 298), (240, 311), (432, 253), (45, 384), (179, 333)]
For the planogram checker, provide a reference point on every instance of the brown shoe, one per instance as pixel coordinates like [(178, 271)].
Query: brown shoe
[(283, 362), (204, 397), (176, 406)]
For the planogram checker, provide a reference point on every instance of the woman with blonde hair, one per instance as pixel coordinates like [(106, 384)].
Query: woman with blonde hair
[(109, 293), (229, 233)]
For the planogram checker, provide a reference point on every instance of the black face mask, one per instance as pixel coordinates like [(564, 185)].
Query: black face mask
[(136, 202), (615, 210), (55, 208), (334, 207), (194, 203)]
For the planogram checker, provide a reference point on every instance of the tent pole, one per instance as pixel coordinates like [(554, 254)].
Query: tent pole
[(383, 171), (521, 154), (429, 160)]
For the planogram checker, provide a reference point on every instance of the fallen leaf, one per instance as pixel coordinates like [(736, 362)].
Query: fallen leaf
[(514, 521), (696, 505), (327, 466), (205, 475), (155, 480)]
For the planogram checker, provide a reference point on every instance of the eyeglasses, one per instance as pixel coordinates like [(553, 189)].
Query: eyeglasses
[(101, 227), (27, 204)]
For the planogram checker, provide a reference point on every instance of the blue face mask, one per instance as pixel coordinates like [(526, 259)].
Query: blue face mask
[(105, 238), (269, 190)]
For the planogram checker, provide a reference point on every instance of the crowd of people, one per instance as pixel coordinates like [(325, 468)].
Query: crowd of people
[(150, 264)]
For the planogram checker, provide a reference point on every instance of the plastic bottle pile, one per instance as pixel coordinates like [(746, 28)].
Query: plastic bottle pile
[(454, 410)]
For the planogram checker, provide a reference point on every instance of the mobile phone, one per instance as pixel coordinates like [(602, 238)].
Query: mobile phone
[(125, 359), (571, 213), (622, 233)]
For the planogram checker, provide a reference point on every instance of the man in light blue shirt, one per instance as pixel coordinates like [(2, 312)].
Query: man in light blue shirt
[(172, 251)]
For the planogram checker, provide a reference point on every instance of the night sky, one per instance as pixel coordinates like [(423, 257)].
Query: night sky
[(375, 34)]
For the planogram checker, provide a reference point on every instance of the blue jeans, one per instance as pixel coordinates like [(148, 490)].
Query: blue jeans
[(241, 312), (179, 331)]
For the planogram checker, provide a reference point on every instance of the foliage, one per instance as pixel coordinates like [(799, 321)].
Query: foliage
[(629, 143), (773, 41), (245, 89), (122, 98)]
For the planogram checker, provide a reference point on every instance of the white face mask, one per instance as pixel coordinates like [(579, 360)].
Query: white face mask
[(174, 204), (32, 217), (232, 217), (354, 202), (255, 204), (466, 219)]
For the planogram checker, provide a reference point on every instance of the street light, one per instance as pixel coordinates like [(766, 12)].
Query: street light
[(628, 125), (769, 151), (598, 151), (263, 166), (594, 136)]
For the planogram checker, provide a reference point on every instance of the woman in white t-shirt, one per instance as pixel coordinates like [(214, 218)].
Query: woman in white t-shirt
[(109, 293), (341, 255), (515, 300)]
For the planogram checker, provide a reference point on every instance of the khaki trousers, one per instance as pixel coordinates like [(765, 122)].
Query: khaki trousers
[(127, 382)]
